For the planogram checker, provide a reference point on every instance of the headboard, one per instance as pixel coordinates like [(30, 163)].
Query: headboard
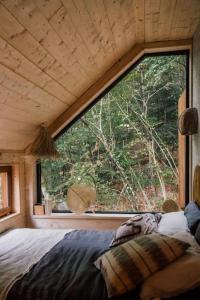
[(196, 185)]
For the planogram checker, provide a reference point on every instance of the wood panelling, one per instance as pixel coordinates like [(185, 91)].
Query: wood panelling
[(17, 218), (77, 222), (53, 53)]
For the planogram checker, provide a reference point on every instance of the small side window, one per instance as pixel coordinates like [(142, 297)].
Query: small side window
[(5, 190)]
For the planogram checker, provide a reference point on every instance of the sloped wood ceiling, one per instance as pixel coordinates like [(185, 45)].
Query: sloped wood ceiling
[(52, 51)]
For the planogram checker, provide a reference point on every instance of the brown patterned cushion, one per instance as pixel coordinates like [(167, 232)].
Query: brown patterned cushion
[(126, 266), (135, 226)]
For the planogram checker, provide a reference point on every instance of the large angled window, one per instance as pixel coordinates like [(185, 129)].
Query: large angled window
[(127, 145)]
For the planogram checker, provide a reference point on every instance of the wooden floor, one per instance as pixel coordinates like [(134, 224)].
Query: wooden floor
[(52, 51)]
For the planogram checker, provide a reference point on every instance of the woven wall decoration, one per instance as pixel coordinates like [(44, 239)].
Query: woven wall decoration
[(188, 121), (170, 206), (80, 197)]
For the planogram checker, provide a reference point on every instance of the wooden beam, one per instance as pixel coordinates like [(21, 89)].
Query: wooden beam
[(111, 75), (181, 155), (168, 46)]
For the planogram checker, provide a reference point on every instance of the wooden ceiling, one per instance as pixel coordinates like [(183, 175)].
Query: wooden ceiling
[(53, 51)]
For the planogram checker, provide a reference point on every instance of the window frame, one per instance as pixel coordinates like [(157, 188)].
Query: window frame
[(8, 209), (188, 150)]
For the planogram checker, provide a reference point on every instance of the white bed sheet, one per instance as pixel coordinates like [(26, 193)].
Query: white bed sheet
[(20, 249)]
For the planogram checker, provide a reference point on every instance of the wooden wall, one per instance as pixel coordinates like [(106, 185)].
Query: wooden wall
[(75, 221), (18, 217), (196, 95)]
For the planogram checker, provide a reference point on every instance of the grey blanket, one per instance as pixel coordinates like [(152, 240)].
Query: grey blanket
[(67, 271)]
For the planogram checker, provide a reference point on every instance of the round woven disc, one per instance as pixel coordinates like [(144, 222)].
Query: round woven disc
[(80, 197), (170, 206)]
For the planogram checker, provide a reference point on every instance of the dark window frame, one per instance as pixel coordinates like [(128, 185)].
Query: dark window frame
[(98, 98), (8, 209)]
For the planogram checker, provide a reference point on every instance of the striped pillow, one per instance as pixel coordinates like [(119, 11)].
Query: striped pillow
[(127, 265)]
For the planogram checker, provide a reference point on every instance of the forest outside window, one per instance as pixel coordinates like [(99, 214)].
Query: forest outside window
[(127, 145), (5, 190)]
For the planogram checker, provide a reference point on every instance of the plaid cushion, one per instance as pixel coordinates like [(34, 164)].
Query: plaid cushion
[(137, 225), (127, 265)]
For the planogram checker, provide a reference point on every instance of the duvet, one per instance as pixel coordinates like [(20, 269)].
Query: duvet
[(65, 270)]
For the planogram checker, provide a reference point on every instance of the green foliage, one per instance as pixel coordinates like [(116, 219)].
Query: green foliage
[(126, 145)]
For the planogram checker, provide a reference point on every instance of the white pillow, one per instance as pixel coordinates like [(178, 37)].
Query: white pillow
[(178, 277), (172, 223), (187, 237)]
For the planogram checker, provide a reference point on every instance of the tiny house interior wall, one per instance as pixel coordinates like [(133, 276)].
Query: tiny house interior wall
[(24, 168), (18, 216)]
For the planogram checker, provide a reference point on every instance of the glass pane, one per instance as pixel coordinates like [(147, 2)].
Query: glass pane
[(126, 146), (3, 190)]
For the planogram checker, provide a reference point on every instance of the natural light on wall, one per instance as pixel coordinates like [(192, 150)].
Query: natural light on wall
[(126, 145)]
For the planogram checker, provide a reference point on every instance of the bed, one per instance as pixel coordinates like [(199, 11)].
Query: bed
[(59, 264)]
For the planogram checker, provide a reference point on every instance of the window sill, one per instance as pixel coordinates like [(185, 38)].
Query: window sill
[(10, 216), (84, 216)]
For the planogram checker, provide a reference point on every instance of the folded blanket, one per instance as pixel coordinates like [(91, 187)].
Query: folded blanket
[(20, 249)]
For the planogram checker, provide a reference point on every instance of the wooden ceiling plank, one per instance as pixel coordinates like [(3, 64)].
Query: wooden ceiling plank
[(194, 19), (23, 87), (55, 89), (12, 59), (15, 126), (61, 23), (152, 12), (37, 25), (24, 105), (139, 20), (84, 26), (10, 142), (114, 72), (48, 8), (16, 35), (23, 134), (128, 21), (12, 111), (98, 15), (167, 8), (14, 82), (113, 9), (35, 107), (180, 26)]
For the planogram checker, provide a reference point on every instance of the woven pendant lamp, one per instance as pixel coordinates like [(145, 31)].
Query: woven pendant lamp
[(43, 146)]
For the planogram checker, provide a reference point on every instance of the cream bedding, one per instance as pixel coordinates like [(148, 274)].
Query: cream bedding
[(177, 278), (20, 249)]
